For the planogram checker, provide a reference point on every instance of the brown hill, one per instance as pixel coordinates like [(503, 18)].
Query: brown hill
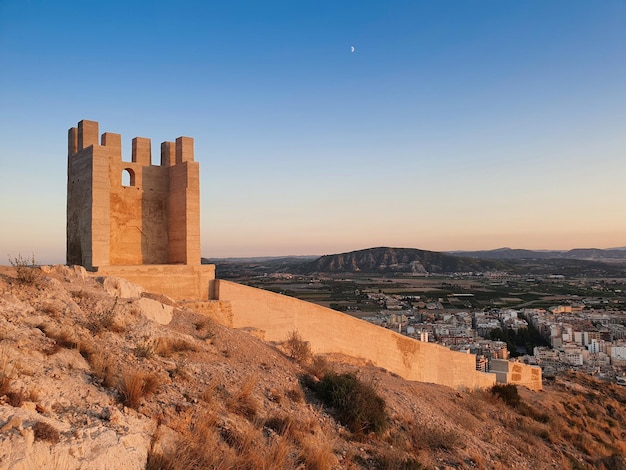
[(96, 374), (384, 260)]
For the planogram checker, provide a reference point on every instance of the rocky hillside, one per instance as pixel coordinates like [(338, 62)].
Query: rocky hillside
[(96, 374), (385, 260)]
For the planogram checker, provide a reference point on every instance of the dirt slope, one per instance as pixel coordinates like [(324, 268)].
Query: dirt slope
[(93, 376)]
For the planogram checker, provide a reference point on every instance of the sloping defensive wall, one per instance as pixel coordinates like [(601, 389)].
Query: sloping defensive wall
[(329, 331)]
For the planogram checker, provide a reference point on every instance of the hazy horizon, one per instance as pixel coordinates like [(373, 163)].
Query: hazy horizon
[(56, 259), (452, 126)]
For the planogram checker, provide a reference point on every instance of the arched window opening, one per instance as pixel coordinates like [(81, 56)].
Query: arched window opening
[(128, 177)]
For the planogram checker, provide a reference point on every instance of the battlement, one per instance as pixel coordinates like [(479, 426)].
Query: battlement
[(123, 213), (86, 135)]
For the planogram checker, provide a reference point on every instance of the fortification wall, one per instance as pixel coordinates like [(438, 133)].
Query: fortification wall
[(180, 282), (329, 331), (508, 372)]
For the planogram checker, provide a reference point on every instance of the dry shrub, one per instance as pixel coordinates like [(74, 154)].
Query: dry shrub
[(15, 398), (507, 393), (105, 319), (145, 349), (79, 295), (295, 395), (45, 432), (612, 462), (357, 404), (319, 367), (135, 385), (27, 270), (204, 328), (166, 346), (297, 349), (242, 402), (430, 437)]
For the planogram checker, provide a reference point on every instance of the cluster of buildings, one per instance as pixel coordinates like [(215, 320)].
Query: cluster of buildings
[(590, 340), (581, 338)]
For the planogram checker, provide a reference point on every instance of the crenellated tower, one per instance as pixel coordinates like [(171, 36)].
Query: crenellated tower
[(131, 213)]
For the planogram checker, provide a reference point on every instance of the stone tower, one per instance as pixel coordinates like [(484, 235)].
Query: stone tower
[(153, 219), (132, 214)]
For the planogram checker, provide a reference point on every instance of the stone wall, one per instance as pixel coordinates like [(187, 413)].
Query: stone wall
[(508, 372), (180, 282), (329, 331)]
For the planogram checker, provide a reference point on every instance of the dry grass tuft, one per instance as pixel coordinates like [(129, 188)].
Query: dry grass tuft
[(51, 309), (208, 394), (65, 339), (242, 402), (45, 432), (198, 447), (279, 424), (6, 373), (103, 369), (277, 455), (166, 346), (5, 384), (135, 385), (393, 459), (317, 455)]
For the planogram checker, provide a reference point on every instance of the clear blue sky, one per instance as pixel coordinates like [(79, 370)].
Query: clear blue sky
[(453, 124)]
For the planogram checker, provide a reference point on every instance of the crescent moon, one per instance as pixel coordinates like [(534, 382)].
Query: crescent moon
[(352, 48)]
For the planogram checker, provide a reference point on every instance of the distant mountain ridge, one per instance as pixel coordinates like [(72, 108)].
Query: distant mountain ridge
[(413, 261), (589, 254), (385, 260)]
